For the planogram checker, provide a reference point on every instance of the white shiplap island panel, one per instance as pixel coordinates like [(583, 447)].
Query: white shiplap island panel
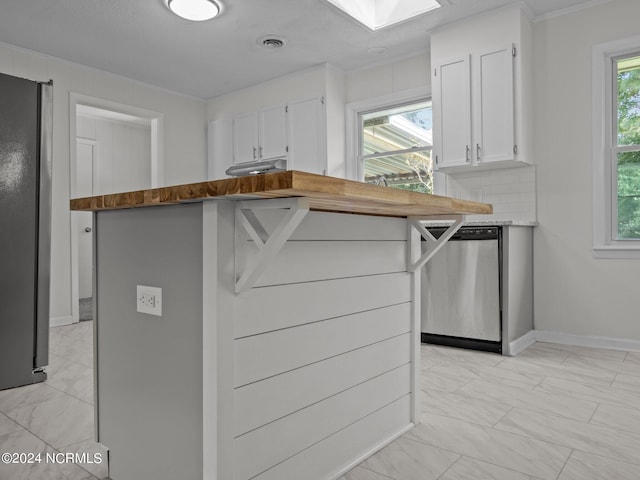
[(300, 372), (336, 351)]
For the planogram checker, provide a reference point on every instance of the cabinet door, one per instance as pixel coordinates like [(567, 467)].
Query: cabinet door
[(273, 132), (245, 137), (493, 113), (452, 112), (307, 139), (220, 148)]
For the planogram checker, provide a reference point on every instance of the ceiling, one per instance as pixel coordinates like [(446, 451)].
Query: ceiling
[(143, 40)]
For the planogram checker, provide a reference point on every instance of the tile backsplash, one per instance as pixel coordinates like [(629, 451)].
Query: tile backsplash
[(511, 191)]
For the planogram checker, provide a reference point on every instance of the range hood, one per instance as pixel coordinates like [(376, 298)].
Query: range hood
[(254, 168)]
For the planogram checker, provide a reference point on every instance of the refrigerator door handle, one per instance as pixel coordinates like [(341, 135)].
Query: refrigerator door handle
[(44, 226)]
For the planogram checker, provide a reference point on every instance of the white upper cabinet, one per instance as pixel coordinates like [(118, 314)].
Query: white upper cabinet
[(299, 116), (493, 114), (245, 137), (295, 131), (272, 123), (260, 135), (482, 92), (452, 112), (307, 136)]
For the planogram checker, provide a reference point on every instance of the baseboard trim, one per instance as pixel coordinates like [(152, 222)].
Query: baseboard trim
[(59, 321), (610, 343), (519, 345)]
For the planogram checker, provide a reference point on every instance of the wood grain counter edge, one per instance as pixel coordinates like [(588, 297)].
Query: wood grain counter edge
[(325, 194)]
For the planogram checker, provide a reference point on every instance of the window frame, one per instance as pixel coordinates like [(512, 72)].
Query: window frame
[(605, 149), (354, 110)]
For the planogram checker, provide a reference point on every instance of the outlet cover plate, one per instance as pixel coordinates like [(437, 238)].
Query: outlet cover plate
[(149, 300)]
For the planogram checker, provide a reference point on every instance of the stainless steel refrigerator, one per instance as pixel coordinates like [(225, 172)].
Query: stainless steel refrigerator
[(25, 229)]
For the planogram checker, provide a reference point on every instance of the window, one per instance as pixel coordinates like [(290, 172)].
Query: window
[(395, 147), (626, 148), (616, 149)]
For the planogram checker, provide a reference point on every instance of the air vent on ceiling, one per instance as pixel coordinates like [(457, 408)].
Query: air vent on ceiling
[(271, 42)]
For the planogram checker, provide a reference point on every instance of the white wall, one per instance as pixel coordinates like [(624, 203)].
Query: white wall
[(296, 86), (123, 154), (575, 293), (389, 77), (184, 141)]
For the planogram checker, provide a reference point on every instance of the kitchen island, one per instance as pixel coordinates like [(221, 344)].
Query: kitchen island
[(288, 341)]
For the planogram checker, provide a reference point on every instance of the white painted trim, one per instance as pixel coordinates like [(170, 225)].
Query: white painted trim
[(373, 450), (519, 345), (209, 340), (156, 174), (572, 9), (60, 321), (414, 246), (353, 109), (610, 343), (601, 163), (157, 130)]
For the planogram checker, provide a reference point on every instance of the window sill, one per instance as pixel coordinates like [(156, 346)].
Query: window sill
[(617, 251)]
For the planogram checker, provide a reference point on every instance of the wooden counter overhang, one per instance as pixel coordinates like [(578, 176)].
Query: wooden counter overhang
[(324, 193)]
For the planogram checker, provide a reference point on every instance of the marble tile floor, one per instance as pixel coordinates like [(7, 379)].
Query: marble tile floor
[(56, 416), (553, 413)]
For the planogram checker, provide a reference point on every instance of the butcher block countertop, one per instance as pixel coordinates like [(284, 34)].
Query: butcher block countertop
[(324, 194)]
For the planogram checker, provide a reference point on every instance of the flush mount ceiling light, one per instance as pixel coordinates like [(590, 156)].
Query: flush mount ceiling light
[(195, 10), (377, 14)]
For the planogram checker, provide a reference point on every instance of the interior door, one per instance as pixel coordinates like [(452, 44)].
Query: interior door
[(85, 165)]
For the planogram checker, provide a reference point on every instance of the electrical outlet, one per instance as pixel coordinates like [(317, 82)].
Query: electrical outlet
[(149, 300)]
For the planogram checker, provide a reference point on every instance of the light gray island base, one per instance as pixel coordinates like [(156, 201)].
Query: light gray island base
[(301, 376)]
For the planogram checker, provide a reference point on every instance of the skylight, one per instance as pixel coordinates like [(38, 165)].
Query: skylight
[(377, 14)]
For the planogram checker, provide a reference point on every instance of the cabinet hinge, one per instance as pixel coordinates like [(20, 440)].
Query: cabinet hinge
[(435, 72), (513, 51), (322, 100), (286, 109), (286, 149), (515, 149)]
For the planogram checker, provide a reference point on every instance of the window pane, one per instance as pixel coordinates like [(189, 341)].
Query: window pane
[(408, 171), (398, 128), (628, 169), (628, 101)]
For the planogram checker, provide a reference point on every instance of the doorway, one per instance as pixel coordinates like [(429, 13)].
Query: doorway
[(115, 148), (86, 159)]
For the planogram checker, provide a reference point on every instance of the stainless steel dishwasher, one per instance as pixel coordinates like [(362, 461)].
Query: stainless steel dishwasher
[(461, 289)]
